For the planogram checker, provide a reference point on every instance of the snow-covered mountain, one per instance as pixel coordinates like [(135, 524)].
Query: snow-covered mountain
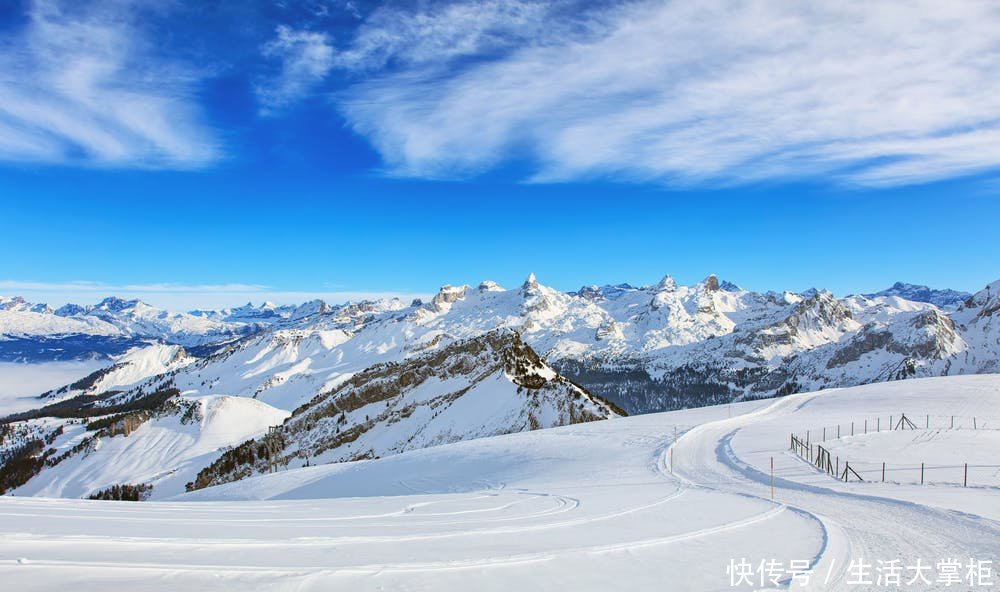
[(110, 429), (34, 332), (483, 386), (915, 293), (646, 348), (649, 348)]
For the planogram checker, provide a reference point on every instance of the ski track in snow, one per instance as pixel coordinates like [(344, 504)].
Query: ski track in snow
[(606, 505)]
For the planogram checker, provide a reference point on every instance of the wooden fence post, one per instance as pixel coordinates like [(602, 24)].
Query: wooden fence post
[(824, 434), (772, 478), (878, 424), (965, 480), (852, 428), (883, 472), (921, 473), (928, 421)]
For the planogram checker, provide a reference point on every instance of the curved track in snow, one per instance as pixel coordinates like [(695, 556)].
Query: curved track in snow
[(591, 507), (858, 524)]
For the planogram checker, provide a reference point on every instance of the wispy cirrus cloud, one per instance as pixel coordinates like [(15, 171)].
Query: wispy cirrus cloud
[(184, 296), (305, 58), (80, 84), (876, 93), (432, 33)]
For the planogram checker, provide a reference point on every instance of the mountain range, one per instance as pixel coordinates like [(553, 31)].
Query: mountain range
[(373, 378)]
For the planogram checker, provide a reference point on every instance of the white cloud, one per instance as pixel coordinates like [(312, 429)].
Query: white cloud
[(434, 33), (306, 57), (723, 91), (182, 296), (82, 85)]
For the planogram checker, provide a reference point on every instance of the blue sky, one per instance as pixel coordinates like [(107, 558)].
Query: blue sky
[(210, 155)]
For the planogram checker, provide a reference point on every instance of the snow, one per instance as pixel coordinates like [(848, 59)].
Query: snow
[(616, 504), (784, 341), (114, 317), (25, 323), (139, 364), (166, 452)]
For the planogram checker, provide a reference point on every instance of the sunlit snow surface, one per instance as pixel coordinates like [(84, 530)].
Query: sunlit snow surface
[(586, 507)]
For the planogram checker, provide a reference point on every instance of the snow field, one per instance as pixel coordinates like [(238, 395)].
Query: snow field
[(616, 504)]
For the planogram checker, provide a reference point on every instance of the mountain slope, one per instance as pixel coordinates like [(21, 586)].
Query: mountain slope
[(484, 386), (161, 449)]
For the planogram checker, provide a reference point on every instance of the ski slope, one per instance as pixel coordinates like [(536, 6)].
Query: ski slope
[(617, 504)]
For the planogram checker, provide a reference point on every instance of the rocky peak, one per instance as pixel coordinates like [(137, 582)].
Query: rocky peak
[(447, 296), (667, 284), (313, 307), (69, 310), (822, 307), (490, 286), (14, 303), (349, 422), (711, 283), (985, 303), (18, 304), (530, 283), (116, 304)]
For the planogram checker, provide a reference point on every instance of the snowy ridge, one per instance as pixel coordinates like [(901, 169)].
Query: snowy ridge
[(484, 386), (348, 371), (646, 348), (128, 370)]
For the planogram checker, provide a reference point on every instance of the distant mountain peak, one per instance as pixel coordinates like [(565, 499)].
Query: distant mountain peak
[(667, 284), (918, 293), (116, 304), (531, 283), (447, 296)]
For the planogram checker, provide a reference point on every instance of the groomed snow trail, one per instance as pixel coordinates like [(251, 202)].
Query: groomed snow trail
[(862, 521), (588, 507)]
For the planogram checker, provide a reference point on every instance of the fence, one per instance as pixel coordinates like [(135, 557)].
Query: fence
[(820, 456)]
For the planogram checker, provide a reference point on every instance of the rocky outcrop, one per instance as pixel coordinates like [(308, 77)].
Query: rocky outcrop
[(489, 385)]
